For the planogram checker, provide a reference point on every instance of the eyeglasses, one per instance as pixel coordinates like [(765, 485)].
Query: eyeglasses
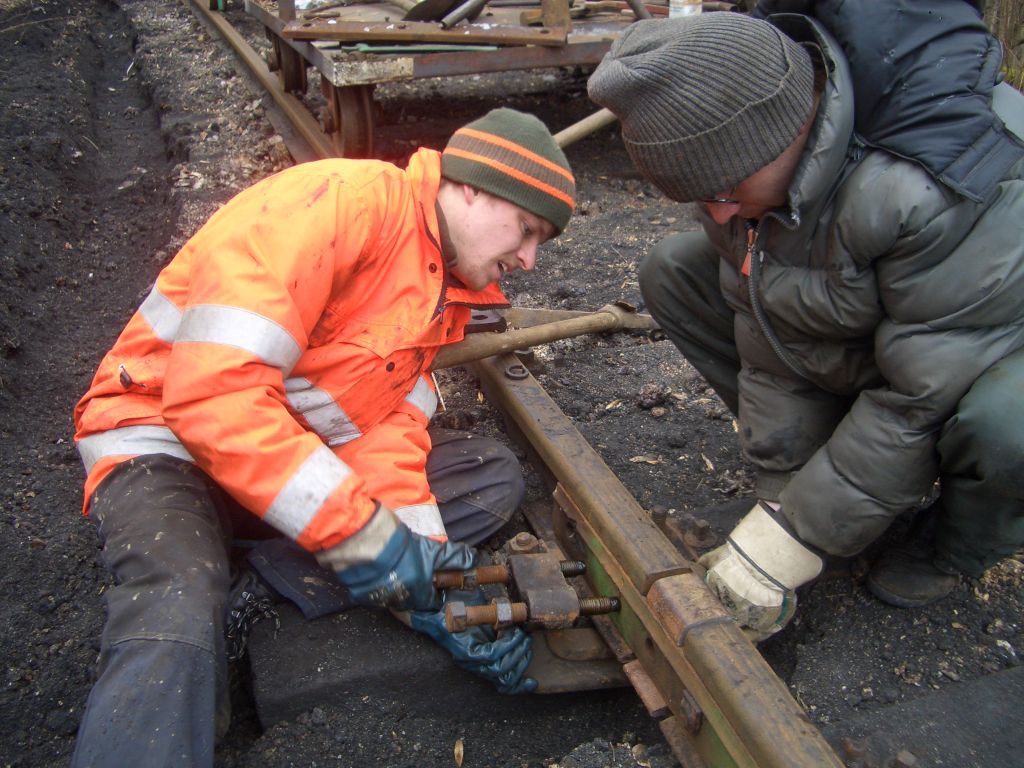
[(722, 200)]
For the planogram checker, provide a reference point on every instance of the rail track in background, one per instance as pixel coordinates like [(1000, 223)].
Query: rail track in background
[(716, 700)]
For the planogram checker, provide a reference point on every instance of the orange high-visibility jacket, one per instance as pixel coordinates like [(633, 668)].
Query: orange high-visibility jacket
[(285, 350)]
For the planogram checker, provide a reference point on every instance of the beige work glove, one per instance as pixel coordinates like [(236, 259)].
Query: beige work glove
[(756, 572)]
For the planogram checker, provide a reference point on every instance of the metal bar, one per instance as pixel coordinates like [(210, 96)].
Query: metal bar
[(639, 9), (481, 345), (420, 32), (508, 59), (463, 11), (682, 635), (584, 127), (342, 68)]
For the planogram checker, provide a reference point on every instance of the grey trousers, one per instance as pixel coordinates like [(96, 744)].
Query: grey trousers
[(980, 514), (166, 528)]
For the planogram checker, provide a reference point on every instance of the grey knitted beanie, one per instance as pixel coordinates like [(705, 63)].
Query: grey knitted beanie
[(704, 101)]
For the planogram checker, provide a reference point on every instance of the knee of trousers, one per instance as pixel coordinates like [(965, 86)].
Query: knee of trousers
[(985, 439), (505, 486), (166, 551), (684, 253), (183, 607)]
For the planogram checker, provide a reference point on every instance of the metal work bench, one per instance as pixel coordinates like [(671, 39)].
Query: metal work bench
[(354, 47)]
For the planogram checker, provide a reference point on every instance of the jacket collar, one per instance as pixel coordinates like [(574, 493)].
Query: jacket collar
[(828, 145), (424, 170)]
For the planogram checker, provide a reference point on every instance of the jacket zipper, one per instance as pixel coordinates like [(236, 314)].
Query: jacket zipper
[(751, 268)]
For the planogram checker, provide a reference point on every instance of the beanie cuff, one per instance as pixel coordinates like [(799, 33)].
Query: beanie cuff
[(513, 156), (705, 101)]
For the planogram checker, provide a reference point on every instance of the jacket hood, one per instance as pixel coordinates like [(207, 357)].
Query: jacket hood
[(828, 144), (925, 76)]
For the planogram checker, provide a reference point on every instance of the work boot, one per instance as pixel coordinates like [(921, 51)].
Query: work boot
[(249, 601), (908, 579)]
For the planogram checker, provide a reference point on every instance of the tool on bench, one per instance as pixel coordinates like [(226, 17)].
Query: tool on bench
[(579, 10), (539, 581), (436, 10)]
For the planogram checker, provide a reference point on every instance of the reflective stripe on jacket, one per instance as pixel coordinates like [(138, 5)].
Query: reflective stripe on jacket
[(285, 350)]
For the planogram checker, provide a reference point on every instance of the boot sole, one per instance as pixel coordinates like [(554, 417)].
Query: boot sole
[(899, 601)]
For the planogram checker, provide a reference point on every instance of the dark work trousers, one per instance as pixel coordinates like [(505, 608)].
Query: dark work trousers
[(166, 529), (980, 515)]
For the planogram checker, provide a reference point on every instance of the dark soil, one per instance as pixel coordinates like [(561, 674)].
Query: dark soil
[(122, 128)]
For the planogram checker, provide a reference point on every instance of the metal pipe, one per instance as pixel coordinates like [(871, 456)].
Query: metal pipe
[(480, 345), (584, 127), (639, 9), (463, 11)]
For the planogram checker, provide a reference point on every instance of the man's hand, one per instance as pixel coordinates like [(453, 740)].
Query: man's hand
[(499, 657), (756, 572), (386, 565)]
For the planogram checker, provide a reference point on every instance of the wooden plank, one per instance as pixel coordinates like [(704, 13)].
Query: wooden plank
[(421, 32)]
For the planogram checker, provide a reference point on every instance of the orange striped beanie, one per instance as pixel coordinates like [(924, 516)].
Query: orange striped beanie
[(512, 155)]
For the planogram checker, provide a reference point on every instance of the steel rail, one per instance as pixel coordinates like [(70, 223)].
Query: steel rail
[(685, 640), (298, 115)]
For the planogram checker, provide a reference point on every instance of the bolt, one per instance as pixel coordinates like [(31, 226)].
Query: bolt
[(327, 120), (572, 567), (273, 63), (516, 372), (524, 543), (702, 530), (455, 616), (658, 514), (526, 355), (590, 606)]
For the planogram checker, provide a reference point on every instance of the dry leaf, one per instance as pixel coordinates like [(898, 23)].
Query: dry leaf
[(458, 753), (646, 460), (707, 463), (613, 404)]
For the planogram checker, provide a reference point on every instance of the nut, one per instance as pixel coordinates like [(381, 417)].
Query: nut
[(455, 617)]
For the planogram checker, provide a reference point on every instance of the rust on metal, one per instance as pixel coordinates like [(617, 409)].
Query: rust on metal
[(645, 553), (648, 692), (683, 604), (482, 574), (578, 644), (690, 711), (420, 32), (477, 346), (550, 601), (747, 716), (499, 613), (524, 543)]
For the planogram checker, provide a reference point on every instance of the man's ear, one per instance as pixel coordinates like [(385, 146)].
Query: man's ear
[(469, 193)]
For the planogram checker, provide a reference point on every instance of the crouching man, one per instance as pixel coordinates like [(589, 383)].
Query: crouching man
[(856, 294)]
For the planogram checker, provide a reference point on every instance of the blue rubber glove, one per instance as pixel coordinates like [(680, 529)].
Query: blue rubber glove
[(386, 565), (500, 657)]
